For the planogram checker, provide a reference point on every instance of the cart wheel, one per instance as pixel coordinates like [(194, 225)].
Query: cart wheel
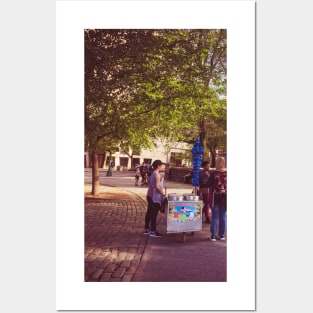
[(184, 237)]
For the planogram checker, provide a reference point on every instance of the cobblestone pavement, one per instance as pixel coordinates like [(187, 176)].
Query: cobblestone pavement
[(114, 240), (116, 250)]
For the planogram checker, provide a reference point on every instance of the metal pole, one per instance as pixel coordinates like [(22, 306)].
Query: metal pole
[(109, 172)]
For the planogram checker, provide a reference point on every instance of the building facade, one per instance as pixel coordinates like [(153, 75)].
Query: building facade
[(176, 154)]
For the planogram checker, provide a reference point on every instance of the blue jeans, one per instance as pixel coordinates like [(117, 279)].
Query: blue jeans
[(218, 219)]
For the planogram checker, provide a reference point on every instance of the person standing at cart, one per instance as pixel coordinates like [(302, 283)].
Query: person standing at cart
[(219, 187), (205, 182), (155, 196)]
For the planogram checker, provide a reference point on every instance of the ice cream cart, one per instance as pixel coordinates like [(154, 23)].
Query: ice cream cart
[(184, 213), (183, 216)]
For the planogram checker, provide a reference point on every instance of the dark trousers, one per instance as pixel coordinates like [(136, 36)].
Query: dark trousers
[(206, 206), (151, 215)]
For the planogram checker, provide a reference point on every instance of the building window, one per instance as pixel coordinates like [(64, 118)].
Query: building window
[(176, 159), (147, 161), (124, 162), (136, 161), (108, 160)]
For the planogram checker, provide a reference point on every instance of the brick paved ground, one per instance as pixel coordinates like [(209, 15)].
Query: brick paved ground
[(117, 251), (114, 241)]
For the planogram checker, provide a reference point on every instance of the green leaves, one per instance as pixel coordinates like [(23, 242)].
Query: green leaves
[(143, 83)]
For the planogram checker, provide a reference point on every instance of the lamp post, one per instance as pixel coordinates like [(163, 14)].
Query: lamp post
[(109, 172)]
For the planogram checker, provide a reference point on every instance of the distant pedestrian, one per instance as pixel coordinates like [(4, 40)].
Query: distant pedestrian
[(205, 182), (155, 196), (219, 208), (144, 174), (137, 175)]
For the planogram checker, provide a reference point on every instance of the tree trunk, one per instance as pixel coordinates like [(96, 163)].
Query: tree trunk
[(206, 153), (213, 156), (203, 139), (95, 190), (209, 149)]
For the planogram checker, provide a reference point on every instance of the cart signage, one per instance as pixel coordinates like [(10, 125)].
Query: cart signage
[(184, 216)]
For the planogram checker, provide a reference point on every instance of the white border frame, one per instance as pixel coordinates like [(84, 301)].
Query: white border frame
[(72, 17)]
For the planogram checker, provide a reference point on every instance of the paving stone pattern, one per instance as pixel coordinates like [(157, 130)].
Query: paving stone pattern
[(116, 250), (114, 240)]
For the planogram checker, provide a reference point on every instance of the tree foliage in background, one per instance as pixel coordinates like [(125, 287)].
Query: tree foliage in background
[(144, 84)]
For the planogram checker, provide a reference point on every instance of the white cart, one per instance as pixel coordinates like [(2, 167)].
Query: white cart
[(183, 217)]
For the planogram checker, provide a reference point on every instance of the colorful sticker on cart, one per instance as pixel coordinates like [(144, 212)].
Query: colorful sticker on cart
[(184, 216)]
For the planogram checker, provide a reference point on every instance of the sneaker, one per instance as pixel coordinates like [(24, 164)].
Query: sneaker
[(213, 238), (154, 234), (146, 232), (222, 237)]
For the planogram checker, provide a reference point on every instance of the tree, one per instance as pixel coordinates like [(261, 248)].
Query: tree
[(201, 70), (112, 62), (190, 85), (134, 77)]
